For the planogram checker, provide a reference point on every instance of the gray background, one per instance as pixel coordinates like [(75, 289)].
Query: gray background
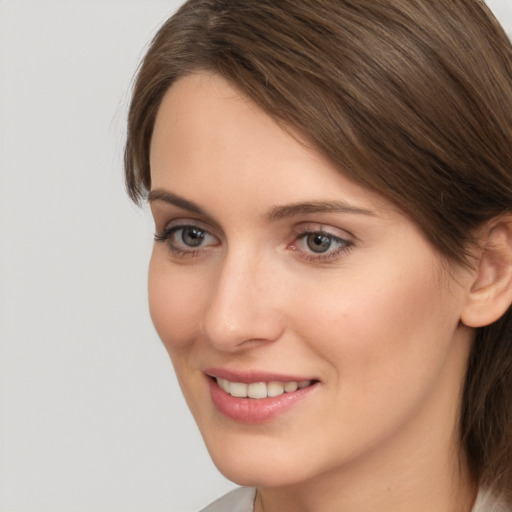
[(91, 417)]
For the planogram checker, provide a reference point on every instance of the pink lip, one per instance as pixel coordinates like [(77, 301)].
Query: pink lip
[(253, 376), (251, 411)]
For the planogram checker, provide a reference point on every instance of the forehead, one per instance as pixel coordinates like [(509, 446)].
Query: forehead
[(209, 135), (203, 112)]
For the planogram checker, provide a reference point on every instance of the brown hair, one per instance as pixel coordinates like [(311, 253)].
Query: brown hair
[(410, 99)]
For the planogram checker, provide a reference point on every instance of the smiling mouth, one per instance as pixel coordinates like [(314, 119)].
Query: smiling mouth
[(259, 390)]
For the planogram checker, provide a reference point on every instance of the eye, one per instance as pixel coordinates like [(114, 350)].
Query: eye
[(192, 236), (184, 240), (319, 244)]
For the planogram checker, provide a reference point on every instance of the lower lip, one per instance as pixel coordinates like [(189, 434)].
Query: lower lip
[(250, 410)]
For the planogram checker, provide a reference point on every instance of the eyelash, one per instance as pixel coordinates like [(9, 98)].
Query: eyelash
[(166, 236), (302, 234)]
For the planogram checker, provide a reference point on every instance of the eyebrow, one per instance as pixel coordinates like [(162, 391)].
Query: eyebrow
[(159, 194), (275, 213), (281, 212)]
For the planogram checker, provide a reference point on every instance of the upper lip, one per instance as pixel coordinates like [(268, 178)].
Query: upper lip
[(252, 376)]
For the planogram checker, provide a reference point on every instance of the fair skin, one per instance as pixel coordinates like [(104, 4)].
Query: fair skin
[(273, 262)]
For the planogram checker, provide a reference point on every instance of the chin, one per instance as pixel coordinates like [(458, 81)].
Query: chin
[(266, 474), (259, 467)]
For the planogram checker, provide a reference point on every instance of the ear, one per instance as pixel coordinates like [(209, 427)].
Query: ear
[(491, 292)]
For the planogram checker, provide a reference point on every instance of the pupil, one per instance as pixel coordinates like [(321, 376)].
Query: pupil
[(192, 237), (318, 242)]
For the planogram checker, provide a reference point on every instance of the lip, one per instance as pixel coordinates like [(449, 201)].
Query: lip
[(253, 376), (251, 411)]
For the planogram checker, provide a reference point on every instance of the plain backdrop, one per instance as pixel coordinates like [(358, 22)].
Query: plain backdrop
[(91, 417)]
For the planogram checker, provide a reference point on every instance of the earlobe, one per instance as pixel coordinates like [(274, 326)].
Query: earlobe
[(491, 291)]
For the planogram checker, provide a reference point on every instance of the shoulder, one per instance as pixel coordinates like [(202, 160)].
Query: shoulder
[(487, 502), (242, 500), (239, 500)]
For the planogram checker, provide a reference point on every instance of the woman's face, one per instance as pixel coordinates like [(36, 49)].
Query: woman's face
[(274, 275)]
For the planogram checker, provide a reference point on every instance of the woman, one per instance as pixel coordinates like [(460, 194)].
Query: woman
[(331, 183)]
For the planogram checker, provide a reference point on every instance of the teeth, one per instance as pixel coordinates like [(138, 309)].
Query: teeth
[(289, 387), (276, 388), (259, 390), (224, 384), (238, 389)]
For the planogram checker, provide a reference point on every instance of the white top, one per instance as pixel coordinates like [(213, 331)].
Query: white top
[(242, 500), (485, 502), (239, 500)]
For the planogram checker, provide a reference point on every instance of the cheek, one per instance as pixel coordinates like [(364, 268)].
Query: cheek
[(388, 343), (174, 304), (383, 327)]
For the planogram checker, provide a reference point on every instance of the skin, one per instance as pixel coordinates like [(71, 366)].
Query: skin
[(375, 319)]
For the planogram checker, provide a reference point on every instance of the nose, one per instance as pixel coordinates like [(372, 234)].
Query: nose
[(242, 309)]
